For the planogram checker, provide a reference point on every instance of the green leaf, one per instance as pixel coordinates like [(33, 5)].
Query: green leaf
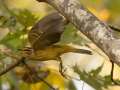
[(25, 17), (70, 35), (94, 79), (13, 40), (71, 85), (96, 71)]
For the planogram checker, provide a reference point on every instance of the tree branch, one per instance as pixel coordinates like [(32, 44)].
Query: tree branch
[(15, 63), (12, 66), (90, 26)]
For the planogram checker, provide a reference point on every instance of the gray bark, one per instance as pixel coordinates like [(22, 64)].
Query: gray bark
[(90, 26)]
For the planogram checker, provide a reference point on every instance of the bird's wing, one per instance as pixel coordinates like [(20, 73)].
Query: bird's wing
[(47, 31)]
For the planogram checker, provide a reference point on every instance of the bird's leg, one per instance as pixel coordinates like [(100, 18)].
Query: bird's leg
[(112, 72), (61, 68)]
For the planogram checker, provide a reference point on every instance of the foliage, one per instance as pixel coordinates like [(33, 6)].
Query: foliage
[(71, 85), (71, 35), (94, 79), (19, 23), (18, 28)]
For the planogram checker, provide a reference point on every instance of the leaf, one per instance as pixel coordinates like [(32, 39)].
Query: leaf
[(13, 41), (71, 85), (10, 22), (93, 79), (25, 17), (70, 35), (96, 72)]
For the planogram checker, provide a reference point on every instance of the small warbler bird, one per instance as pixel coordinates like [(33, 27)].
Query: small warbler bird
[(44, 38)]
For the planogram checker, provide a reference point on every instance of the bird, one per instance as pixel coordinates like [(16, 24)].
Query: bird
[(44, 37)]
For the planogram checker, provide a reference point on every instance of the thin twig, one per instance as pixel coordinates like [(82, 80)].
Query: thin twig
[(19, 61), (29, 68), (12, 66), (112, 74), (4, 71)]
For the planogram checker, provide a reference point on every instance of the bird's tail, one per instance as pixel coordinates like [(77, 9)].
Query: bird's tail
[(83, 51)]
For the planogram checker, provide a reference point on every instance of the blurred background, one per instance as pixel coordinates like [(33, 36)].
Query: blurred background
[(16, 19)]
